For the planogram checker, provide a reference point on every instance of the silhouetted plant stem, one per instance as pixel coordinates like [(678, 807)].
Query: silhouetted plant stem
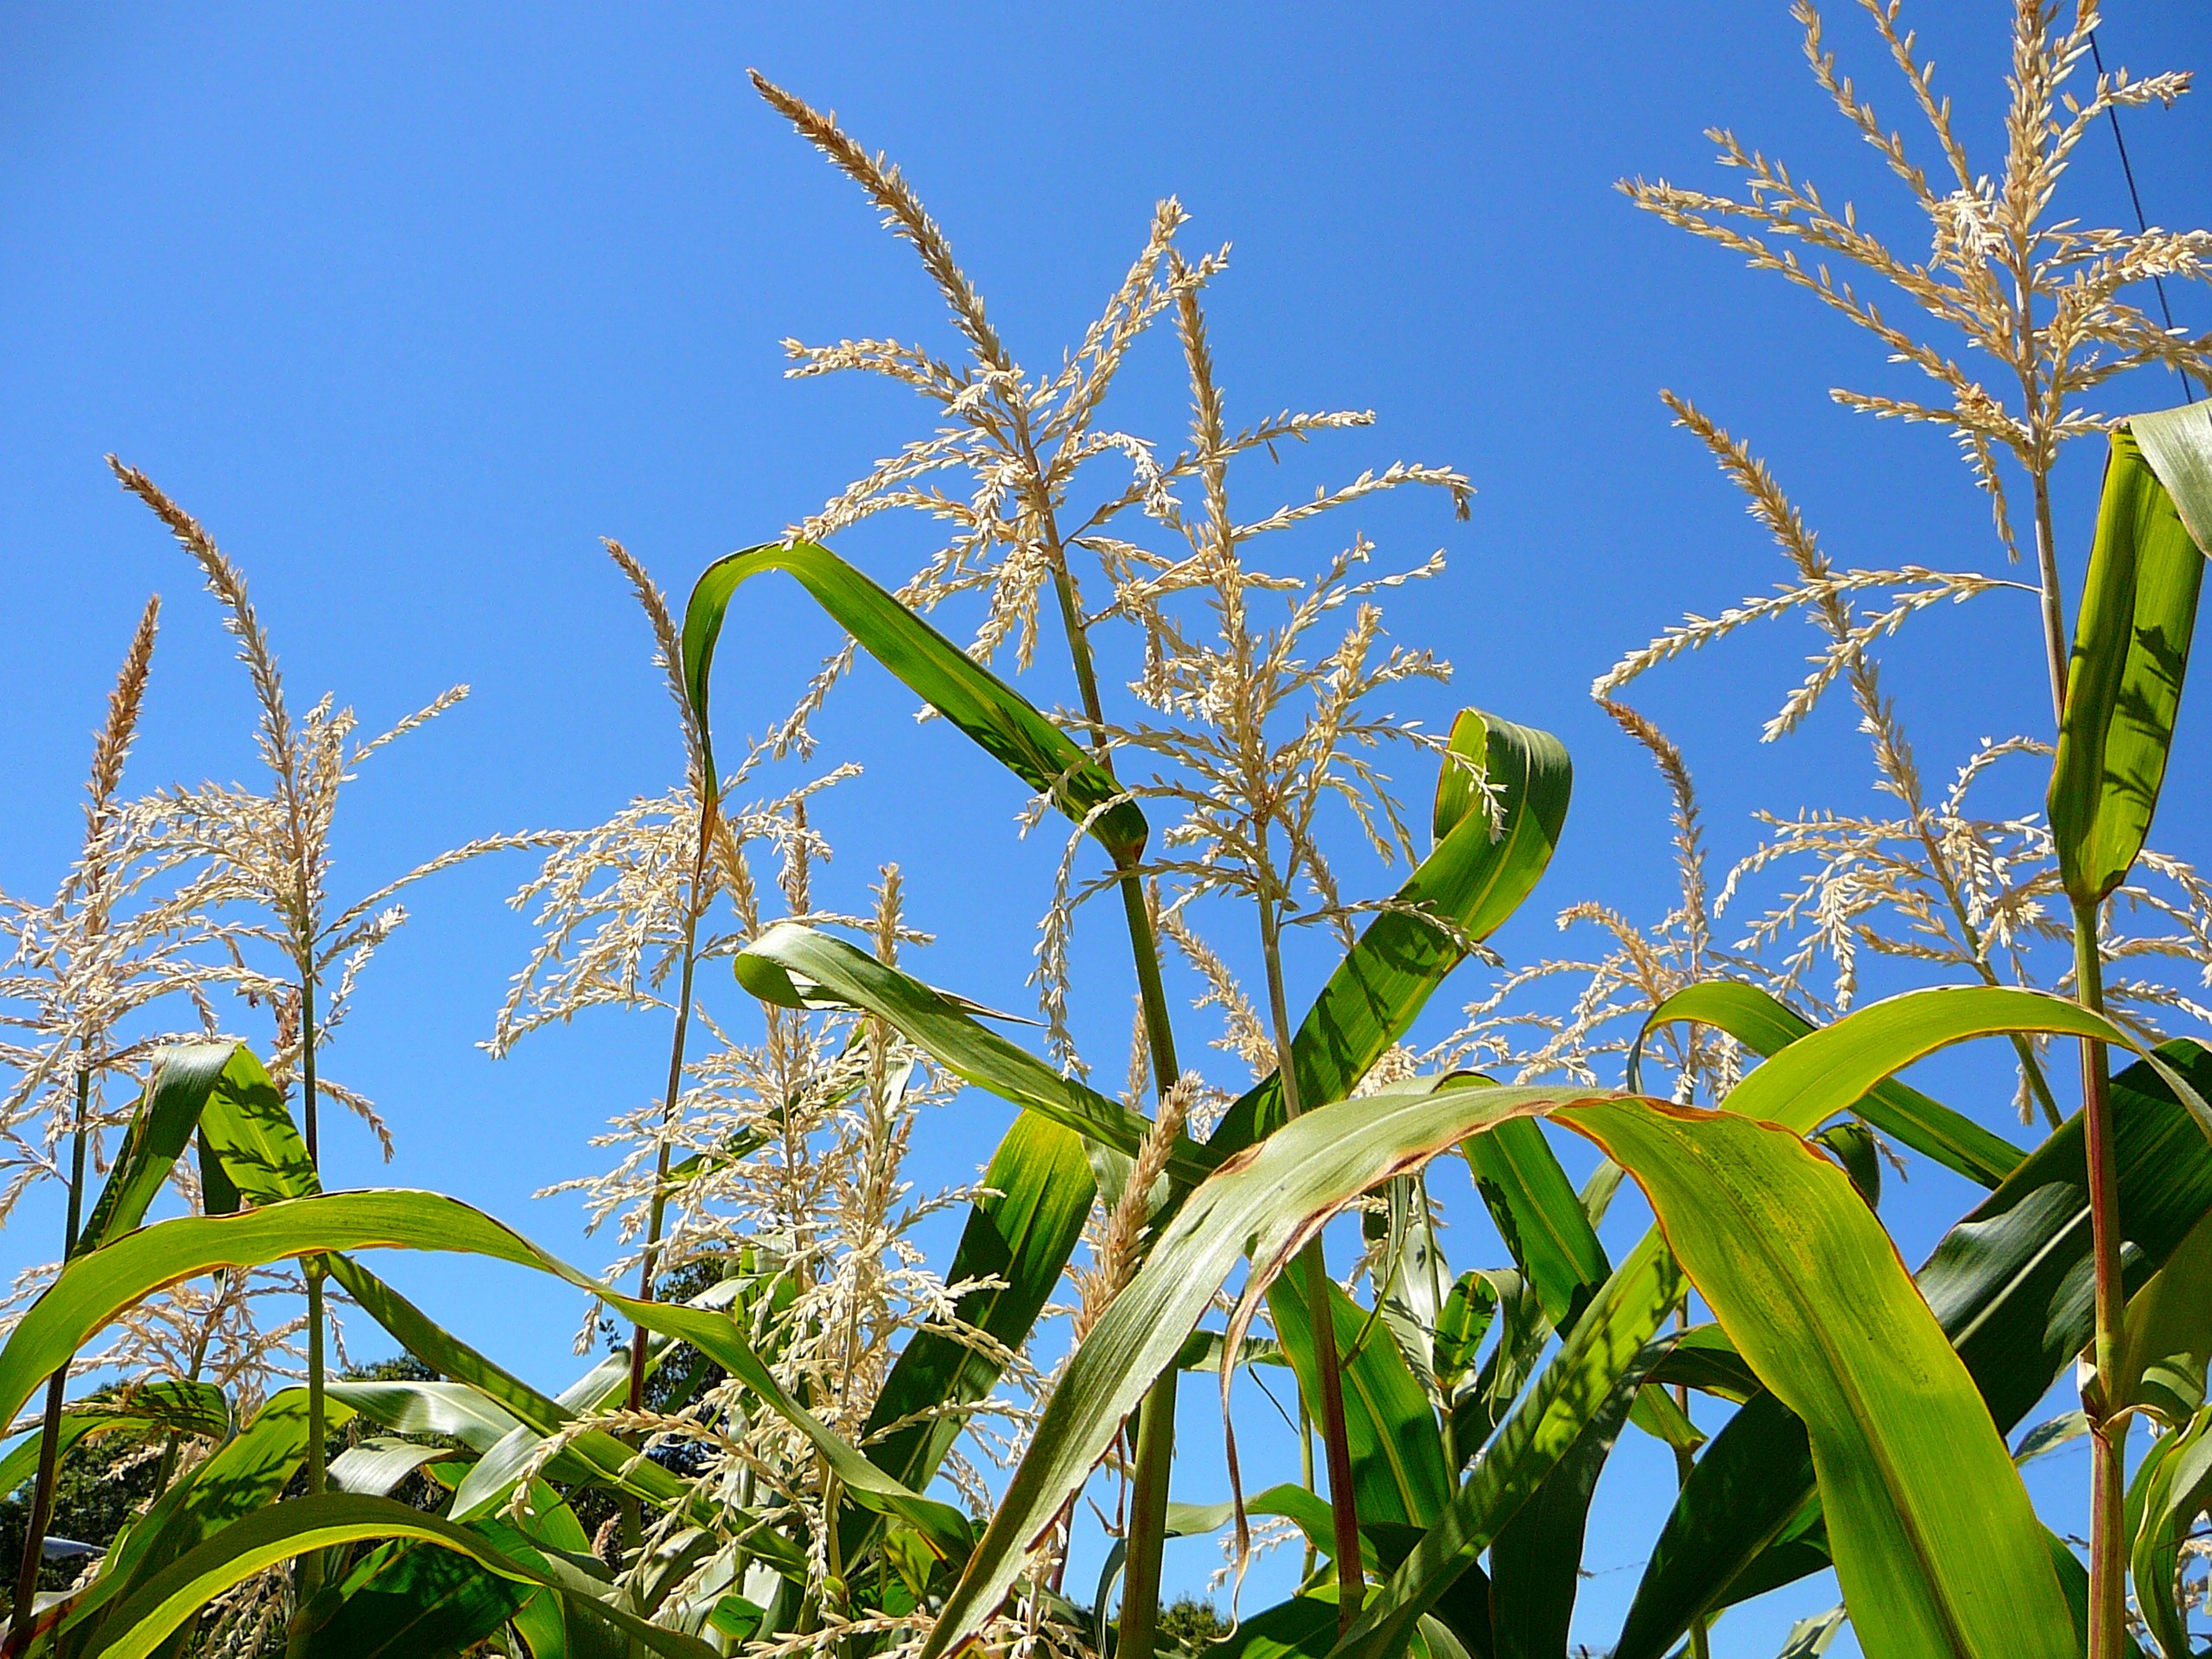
[(656, 1212), (307, 1581)]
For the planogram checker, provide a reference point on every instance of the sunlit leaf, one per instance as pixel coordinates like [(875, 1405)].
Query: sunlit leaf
[(2131, 651)]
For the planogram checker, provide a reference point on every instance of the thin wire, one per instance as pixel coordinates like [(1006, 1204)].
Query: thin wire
[(2127, 170)]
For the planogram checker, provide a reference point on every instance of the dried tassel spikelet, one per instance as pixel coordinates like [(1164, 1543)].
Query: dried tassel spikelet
[(1926, 879), (261, 862), (118, 937), (1115, 1253)]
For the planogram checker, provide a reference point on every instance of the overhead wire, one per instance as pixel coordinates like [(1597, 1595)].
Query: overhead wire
[(2127, 171)]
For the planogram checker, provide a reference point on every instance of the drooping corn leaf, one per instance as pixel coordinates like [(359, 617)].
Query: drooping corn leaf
[(161, 1129), (2131, 651), (1477, 875), (1733, 1249), (1269, 1201), (2012, 1286), (1747, 1486), (1935, 1541), (2177, 444), (999, 719), (280, 1532), (1766, 1025), (796, 966), (92, 1290)]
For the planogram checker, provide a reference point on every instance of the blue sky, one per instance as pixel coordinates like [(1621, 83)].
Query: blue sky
[(411, 305)]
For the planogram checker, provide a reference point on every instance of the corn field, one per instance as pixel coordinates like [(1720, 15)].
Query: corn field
[(823, 1408)]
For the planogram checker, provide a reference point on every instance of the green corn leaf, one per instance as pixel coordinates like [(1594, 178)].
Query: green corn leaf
[(444, 1353), (1540, 1216), (1476, 877), (981, 704), (159, 1130), (457, 1411), (247, 1129), (1703, 1358), (1536, 1564), (2012, 1286), (425, 1599), (1766, 1025), (1803, 1278), (375, 1466), (1765, 1267), (1852, 1146), (242, 1477), (794, 966), (2047, 1437), (92, 1290), (2166, 1337), (2177, 444), (1814, 1077), (2131, 649), (1399, 1472), (1468, 1310), (492, 1480), (1936, 1544), (199, 1409), (2170, 1490), (1657, 1413), (279, 1533), (1866, 1047), (1309, 1511)]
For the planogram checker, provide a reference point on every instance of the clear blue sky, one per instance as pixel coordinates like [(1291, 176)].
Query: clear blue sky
[(412, 304)]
